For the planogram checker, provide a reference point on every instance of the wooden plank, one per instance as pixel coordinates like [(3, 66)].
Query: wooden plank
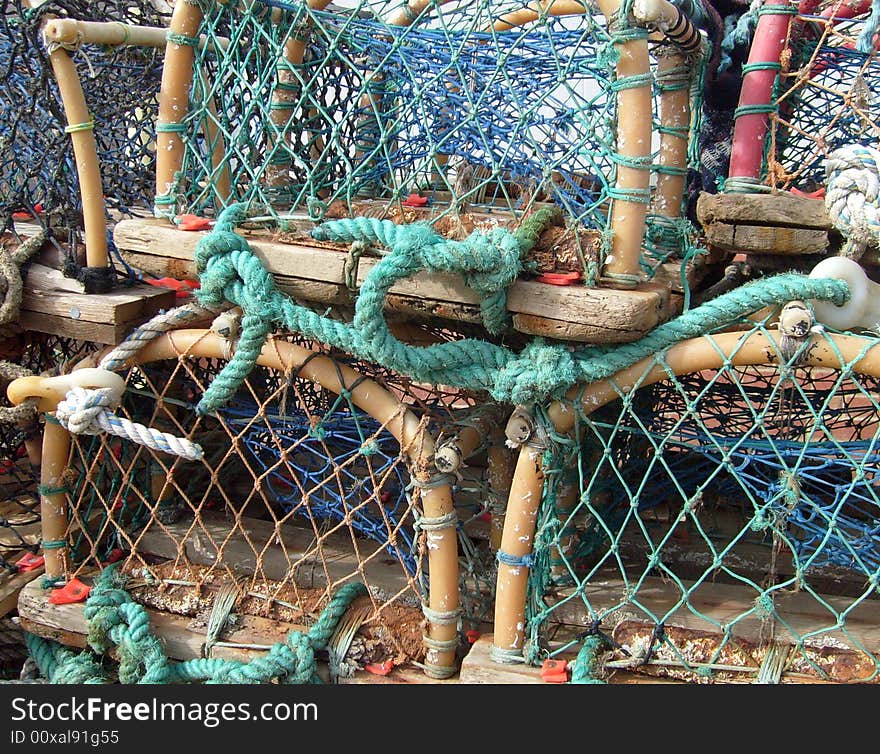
[(12, 583), (47, 291), (767, 239), (783, 209), (54, 304), (95, 332), (478, 668), (339, 562), (182, 639), (615, 311), (723, 604)]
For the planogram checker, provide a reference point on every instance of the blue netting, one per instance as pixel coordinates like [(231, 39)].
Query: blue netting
[(341, 468)]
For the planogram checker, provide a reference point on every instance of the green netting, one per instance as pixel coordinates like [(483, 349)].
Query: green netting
[(473, 119), (717, 514)]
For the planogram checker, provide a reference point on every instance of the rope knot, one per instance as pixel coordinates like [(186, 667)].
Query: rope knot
[(853, 194), (82, 409), (541, 369)]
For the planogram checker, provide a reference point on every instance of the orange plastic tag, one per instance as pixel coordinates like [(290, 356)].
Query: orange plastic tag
[(73, 591)]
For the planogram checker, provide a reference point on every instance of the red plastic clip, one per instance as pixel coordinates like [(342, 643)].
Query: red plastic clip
[(559, 278), (472, 635), (193, 222), (819, 193), (24, 215), (6, 466), (379, 668), (182, 288), (414, 200), (29, 562), (73, 591), (554, 671), (115, 554)]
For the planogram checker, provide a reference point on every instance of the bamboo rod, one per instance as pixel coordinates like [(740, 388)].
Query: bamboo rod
[(177, 76), (71, 31), (500, 462), (675, 113), (566, 501), (634, 108), (517, 541), (751, 116), (80, 126), (53, 498), (415, 441), (221, 180)]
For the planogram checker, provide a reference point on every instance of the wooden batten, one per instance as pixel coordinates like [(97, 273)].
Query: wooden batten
[(315, 273), (54, 304), (779, 224)]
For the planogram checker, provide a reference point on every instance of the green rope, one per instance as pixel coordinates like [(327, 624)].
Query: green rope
[(490, 262), (117, 621), (583, 669)]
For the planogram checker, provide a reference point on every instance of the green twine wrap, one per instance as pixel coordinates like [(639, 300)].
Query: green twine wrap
[(489, 262)]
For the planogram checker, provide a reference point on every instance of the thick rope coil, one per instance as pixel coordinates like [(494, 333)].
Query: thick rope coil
[(852, 196), (117, 621), (25, 413), (11, 283), (230, 271), (87, 412)]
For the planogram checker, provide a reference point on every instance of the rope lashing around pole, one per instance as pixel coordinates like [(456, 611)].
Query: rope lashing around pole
[(87, 412), (852, 195), (230, 271), (117, 621)]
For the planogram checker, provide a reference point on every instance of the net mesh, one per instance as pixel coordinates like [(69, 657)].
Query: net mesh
[(299, 492), (825, 99), (715, 515), (351, 110), (37, 169)]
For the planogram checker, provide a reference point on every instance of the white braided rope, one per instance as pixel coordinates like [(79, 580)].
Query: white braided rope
[(852, 195), (173, 319), (87, 412)]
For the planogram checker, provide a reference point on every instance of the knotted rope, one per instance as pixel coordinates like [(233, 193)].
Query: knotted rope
[(852, 196), (25, 413), (230, 271), (87, 412), (117, 621)]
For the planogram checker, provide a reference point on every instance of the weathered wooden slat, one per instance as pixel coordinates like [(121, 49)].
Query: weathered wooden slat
[(56, 305), (613, 315), (784, 209), (712, 605), (767, 239)]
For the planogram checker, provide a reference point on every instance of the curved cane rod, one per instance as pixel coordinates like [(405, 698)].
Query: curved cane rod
[(287, 93), (690, 356), (177, 78), (629, 207), (81, 128), (55, 452), (675, 119), (415, 441)]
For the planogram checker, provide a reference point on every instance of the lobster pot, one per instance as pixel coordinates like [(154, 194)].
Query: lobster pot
[(826, 98), (120, 84), (718, 526), (465, 114), (299, 492)]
